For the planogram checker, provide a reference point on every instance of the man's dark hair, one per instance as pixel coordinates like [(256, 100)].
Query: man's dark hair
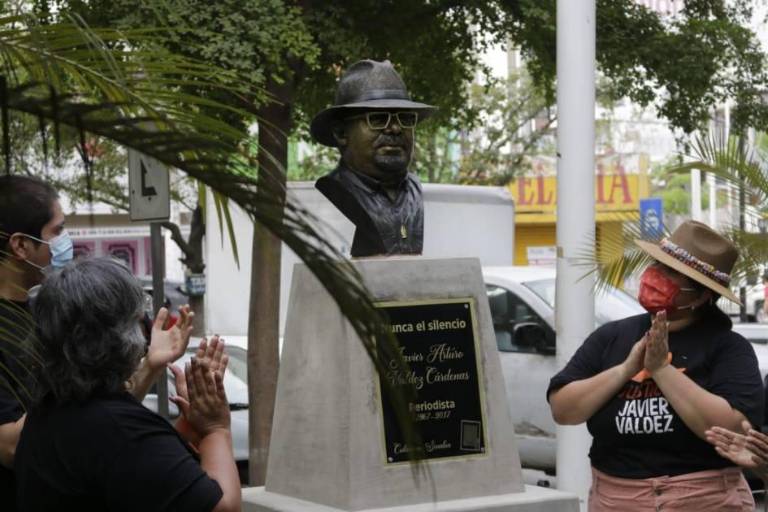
[(87, 329), (26, 205)]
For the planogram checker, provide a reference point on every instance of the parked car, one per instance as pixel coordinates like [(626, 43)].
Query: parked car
[(236, 387), (755, 300), (171, 290), (522, 301), (757, 334), (522, 308)]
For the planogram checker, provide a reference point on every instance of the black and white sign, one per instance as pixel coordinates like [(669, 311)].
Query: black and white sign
[(149, 186), (437, 339)]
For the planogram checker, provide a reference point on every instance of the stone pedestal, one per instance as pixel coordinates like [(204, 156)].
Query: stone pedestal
[(532, 499), (328, 451)]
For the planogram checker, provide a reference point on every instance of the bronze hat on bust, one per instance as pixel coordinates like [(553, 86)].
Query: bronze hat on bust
[(366, 85), (697, 251)]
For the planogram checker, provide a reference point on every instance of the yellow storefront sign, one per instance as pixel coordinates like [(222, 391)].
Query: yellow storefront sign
[(621, 181), (617, 193), (614, 192), (617, 200)]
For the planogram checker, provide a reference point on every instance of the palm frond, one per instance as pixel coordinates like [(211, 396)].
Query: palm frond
[(744, 167), (628, 259), (19, 353), (731, 160), (753, 253), (61, 77), (223, 215)]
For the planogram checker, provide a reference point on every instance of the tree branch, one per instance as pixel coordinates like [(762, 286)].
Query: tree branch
[(176, 237)]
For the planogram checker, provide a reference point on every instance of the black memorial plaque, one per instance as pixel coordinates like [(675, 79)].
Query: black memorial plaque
[(437, 340)]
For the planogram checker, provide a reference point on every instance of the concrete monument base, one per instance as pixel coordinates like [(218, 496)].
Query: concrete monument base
[(330, 447), (533, 499)]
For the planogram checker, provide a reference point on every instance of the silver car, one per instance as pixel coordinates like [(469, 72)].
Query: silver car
[(757, 334), (522, 301), (236, 387)]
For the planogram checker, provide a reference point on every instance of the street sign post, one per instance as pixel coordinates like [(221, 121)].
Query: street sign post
[(158, 298), (149, 186), (150, 200)]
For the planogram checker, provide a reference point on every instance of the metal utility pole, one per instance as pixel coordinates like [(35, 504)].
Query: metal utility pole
[(742, 225), (711, 178), (158, 297), (150, 200), (696, 195), (712, 200), (574, 306), (743, 316)]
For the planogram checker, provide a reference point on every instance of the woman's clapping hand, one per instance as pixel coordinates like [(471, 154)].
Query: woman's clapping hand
[(210, 360), (657, 346), (748, 450)]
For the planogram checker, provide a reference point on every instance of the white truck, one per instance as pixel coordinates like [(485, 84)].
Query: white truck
[(459, 221)]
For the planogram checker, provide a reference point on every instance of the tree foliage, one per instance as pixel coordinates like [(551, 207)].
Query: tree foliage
[(731, 159), (64, 170), (513, 123), (124, 87), (683, 66)]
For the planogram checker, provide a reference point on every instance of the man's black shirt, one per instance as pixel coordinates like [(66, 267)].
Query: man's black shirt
[(16, 328), (383, 226)]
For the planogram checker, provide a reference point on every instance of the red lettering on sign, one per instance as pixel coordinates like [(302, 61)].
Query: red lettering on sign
[(541, 199), (522, 198), (600, 186), (620, 182)]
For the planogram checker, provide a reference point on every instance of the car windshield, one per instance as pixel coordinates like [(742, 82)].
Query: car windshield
[(611, 304)]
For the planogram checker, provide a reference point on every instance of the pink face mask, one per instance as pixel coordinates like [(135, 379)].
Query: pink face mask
[(658, 292)]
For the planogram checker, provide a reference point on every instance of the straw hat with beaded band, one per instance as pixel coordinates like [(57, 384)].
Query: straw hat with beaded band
[(698, 252)]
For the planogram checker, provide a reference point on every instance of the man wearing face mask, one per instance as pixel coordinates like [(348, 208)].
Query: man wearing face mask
[(650, 386), (32, 239), (372, 125), (34, 242)]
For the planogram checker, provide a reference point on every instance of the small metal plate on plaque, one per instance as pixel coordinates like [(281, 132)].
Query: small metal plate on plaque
[(438, 341)]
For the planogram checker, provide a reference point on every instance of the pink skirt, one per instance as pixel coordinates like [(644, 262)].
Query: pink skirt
[(721, 490)]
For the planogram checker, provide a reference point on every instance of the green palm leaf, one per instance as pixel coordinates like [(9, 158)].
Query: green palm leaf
[(731, 160), (614, 270), (104, 82), (734, 161)]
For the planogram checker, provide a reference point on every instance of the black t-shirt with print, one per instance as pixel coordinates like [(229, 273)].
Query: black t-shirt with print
[(638, 434), (15, 328), (108, 454)]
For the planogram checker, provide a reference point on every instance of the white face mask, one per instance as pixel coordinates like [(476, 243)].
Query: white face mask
[(61, 248)]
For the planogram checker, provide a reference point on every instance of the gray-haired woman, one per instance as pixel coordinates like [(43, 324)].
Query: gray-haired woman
[(88, 444)]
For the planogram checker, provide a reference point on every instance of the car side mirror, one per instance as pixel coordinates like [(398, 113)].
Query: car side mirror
[(531, 334)]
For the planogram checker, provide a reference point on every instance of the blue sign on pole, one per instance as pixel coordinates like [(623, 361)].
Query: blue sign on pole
[(651, 218)]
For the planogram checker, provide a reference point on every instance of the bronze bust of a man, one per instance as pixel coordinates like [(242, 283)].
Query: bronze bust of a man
[(372, 124)]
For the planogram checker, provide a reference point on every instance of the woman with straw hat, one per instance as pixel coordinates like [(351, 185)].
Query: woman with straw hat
[(650, 386)]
